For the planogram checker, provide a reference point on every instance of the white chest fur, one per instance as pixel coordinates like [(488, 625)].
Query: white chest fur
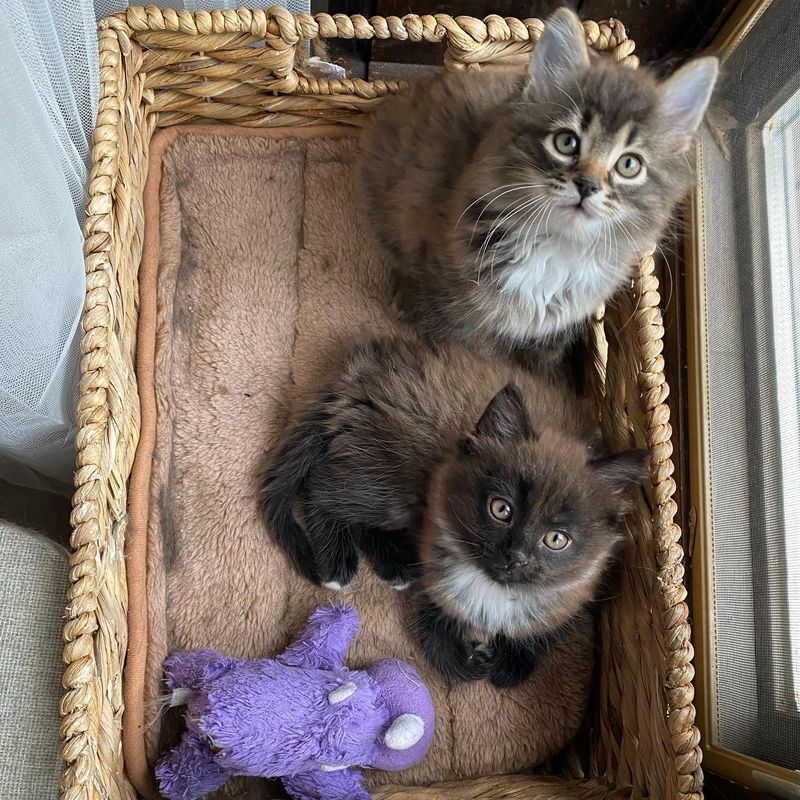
[(487, 605), (553, 286), (518, 610)]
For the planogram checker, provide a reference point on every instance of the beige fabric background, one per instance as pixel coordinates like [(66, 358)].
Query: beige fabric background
[(33, 584)]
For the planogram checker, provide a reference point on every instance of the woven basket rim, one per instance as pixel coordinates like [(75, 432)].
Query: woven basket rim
[(276, 20), (107, 419)]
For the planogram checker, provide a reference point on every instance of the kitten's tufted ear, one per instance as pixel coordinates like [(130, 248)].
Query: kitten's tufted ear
[(506, 416), (560, 54), (685, 96), (622, 472)]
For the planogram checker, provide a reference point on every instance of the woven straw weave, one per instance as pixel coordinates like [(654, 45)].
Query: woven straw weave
[(161, 68)]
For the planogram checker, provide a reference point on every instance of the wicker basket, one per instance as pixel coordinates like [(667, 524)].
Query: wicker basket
[(161, 68)]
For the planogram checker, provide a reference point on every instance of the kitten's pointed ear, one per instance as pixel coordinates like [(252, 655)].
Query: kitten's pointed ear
[(506, 416), (560, 54), (622, 472), (685, 96)]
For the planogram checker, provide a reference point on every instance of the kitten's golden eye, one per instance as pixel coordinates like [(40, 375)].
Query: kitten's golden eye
[(556, 540), (629, 166), (501, 509), (566, 142)]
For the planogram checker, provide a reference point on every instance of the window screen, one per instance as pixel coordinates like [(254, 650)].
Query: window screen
[(750, 199)]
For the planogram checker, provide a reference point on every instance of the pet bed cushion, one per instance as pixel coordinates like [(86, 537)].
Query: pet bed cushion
[(257, 275)]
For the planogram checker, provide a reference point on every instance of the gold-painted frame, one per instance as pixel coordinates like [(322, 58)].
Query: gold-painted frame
[(738, 767)]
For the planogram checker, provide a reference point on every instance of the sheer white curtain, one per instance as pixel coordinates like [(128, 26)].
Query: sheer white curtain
[(105, 7), (48, 93)]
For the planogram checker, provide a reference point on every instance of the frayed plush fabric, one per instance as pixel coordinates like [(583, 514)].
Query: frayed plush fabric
[(266, 276), (323, 642), (344, 785), (189, 770), (192, 670)]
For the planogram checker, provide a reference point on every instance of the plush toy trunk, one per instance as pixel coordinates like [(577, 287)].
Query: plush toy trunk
[(161, 68)]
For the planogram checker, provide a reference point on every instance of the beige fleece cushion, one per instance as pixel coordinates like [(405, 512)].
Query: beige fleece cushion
[(258, 274)]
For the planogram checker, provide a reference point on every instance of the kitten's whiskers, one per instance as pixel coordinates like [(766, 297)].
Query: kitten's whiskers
[(504, 189), (487, 242), (504, 216), (536, 214), (539, 223), (668, 266)]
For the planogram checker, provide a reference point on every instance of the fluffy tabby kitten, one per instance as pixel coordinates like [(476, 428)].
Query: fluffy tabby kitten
[(466, 472), (514, 203)]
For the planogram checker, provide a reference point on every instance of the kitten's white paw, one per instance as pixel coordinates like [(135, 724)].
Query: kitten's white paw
[(336, 586), (400, 586)]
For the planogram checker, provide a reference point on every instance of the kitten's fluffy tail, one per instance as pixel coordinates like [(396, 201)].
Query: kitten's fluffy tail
[(283, 483)]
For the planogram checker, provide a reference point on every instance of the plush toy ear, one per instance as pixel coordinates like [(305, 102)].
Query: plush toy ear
[(560, 54), (404, 732), (506, 416), (622, 472), (685, 96)]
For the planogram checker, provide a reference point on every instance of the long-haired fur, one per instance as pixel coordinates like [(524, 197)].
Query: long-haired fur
[(453, 470), (499, 235)]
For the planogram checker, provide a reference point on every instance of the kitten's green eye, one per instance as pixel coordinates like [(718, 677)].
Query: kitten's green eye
[(629, 166), (566, 142), (501, 509), (556, 540)]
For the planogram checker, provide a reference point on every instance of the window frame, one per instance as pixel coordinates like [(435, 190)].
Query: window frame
[(755, 183), (738, 766)]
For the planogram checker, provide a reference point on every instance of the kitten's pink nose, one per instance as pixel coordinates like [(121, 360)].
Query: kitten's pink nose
[(587, 185)]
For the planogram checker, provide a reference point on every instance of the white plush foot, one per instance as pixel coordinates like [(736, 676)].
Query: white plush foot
[(404, 732)]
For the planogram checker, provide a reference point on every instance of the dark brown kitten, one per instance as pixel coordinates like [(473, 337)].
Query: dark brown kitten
[(465, 472), (519, 528), (515, 203)]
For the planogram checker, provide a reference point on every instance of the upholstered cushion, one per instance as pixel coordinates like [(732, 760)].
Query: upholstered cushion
[(33, 580)]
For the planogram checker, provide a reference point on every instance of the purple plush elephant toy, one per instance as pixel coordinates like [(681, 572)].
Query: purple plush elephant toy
[(302, 717)]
